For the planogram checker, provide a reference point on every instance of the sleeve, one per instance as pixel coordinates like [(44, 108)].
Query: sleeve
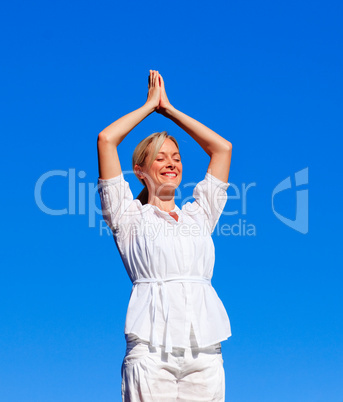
[(210, 197), (116, 197)]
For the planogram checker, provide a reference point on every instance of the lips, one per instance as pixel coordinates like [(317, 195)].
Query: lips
[(169, 174)]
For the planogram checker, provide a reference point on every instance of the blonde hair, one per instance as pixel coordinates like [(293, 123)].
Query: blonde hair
[(145, 152)]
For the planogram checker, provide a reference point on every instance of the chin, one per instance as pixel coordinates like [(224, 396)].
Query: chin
[(170, 185)]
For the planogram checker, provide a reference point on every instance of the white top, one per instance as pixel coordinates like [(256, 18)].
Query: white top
[(170, 263)]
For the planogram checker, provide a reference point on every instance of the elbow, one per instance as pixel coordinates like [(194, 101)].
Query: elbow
[(224, 147), (227, 146), (106, 139), (102, 137)]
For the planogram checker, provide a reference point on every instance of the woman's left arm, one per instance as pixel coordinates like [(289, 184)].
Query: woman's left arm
[(217, 147)]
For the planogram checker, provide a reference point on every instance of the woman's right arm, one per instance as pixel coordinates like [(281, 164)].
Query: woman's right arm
[(113, 135)]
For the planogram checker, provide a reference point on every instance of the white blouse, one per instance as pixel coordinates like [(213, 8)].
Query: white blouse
[(170, 263)]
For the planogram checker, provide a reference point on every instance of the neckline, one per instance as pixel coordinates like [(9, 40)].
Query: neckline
[(175, 209), (166, 215)]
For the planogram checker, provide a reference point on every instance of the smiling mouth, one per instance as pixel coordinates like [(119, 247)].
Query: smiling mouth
[(171, 175)]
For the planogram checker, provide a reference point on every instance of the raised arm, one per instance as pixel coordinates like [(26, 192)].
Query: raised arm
[(217, 147), (113, 135)]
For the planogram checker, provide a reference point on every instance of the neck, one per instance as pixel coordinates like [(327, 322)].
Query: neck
[(165, 205)]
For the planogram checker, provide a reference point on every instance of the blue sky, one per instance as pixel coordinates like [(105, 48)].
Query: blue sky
[(265, 75)]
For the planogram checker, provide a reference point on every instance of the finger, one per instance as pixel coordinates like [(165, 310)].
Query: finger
[(162, 82)]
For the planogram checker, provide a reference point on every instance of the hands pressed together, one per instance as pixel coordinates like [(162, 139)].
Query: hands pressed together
[(157, 96)]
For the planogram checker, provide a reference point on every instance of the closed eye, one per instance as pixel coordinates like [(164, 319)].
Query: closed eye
[(176, 160)]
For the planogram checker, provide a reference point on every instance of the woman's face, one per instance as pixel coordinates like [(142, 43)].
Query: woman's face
[(165, 173)]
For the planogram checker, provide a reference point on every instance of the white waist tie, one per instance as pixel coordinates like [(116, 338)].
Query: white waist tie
[(165, 303)]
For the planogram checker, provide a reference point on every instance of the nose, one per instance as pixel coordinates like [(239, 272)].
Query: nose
[(171, 163)]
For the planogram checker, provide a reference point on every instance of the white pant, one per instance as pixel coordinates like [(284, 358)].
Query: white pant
[(192, 374)]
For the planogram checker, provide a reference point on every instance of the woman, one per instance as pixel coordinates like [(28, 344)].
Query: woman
[(175, 320)]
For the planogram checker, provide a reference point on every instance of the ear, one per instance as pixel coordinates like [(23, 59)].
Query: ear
[(138, 171)]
